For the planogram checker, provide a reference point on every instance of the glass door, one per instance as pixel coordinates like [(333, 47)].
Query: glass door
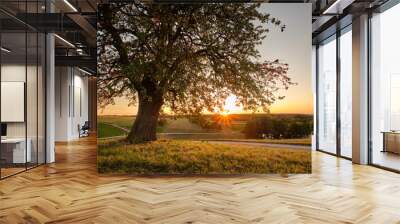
[(326, 118), (346, 92), (14, 153), (22, 78), (385, 89)]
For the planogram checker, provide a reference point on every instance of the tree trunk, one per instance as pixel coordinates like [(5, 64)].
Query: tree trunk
[(145, 126)]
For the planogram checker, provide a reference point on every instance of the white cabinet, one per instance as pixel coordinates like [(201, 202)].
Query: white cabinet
[(19, 155)]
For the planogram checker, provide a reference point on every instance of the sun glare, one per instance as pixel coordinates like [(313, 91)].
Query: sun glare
[(230, 105)]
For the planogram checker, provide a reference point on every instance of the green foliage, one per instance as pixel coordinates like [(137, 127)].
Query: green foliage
[(279, 127), (188, 57), (190, 157)]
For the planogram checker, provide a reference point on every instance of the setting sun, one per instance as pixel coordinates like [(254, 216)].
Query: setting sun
[(230, 106)]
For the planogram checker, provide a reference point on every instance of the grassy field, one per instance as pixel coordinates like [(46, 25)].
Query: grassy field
[(182, 128), (122, 121), (180, 125), (106, 130), (113, 126), (297, 141), (196, 157)]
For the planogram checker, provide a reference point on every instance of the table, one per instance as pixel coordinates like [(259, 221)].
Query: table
[(13, 150), (391, 141)]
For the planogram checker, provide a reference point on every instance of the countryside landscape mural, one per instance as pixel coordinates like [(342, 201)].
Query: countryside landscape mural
[(203, 89)]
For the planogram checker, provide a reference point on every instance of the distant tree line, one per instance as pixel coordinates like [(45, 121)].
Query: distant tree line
[(279, 127), (205, 123)]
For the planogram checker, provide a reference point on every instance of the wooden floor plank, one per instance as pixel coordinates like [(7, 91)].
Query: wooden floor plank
[(71, 191)]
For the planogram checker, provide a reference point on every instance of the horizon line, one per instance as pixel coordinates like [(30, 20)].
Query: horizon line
[(209, 114)]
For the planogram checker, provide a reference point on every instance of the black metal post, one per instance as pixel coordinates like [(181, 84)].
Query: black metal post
[(338, 80)]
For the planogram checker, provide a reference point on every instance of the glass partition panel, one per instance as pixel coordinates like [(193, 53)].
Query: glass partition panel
[(15, 151), (41, 98), (32, 98), (22, 88), (346, 93), (385, 89), (327, 96)]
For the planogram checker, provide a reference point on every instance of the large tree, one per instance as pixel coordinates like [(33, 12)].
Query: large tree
[(185, 57)]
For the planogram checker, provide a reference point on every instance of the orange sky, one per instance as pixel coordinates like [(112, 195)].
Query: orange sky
[(293, 46), (297, 107)]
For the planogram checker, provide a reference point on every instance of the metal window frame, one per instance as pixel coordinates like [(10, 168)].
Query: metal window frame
[(387, 5), (333, 37), (44, 76), (381, 9), (339, 32)]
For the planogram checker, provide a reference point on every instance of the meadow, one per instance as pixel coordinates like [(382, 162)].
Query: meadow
[(183, 148), (182, 128), (198, 157)]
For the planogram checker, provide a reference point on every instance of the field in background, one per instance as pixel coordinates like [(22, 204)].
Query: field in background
[(122, 121), (196, 157), (179, 128), (293, 141), (182, 148), (106, 130), (107, 126), (183, 128)]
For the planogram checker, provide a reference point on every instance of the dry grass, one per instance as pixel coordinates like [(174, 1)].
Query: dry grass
[(293, 141), (195, 157)]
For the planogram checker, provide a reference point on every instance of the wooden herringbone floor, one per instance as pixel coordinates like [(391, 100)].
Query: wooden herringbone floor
[(70, 191)]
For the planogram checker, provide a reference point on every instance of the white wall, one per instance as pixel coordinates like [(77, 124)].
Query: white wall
[(71, 102), (80, 111), (62, 82), (13, 100), (16, 73)]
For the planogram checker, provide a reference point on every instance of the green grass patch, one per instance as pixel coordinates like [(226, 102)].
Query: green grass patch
[(125, 122), (121, 121), (195, 157), (106, 130)]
